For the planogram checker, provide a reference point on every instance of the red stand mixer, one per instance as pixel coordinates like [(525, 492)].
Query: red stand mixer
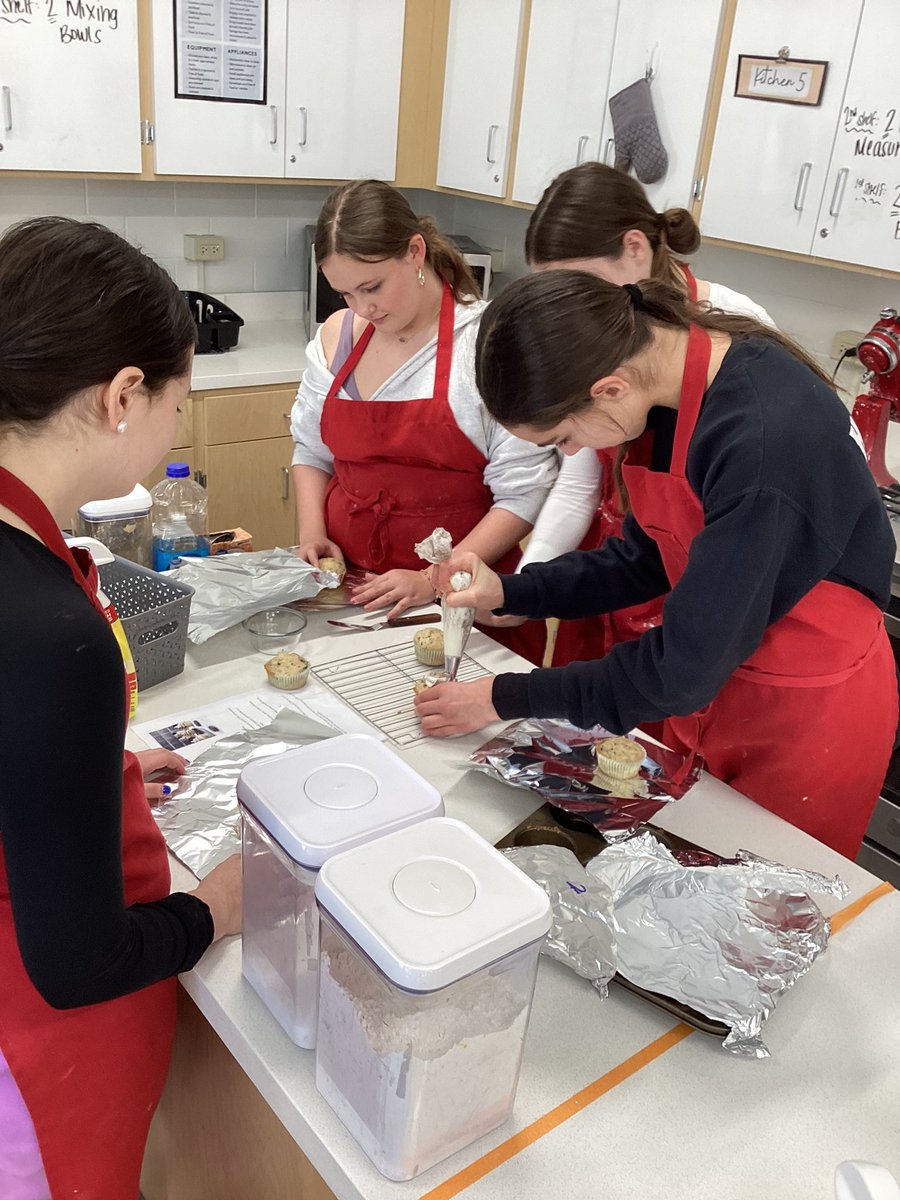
[(879, 353)]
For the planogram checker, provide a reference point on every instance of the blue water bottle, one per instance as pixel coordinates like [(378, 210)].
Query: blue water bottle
[(179, 517)]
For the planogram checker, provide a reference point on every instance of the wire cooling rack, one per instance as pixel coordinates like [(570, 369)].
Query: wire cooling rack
[(379, 686)]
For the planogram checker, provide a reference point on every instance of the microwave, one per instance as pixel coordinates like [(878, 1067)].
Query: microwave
[(324, 300)]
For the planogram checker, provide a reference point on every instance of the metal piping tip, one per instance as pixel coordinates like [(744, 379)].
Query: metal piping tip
[(451, 665)]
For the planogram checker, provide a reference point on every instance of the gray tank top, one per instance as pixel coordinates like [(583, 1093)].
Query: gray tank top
[(342, 353)]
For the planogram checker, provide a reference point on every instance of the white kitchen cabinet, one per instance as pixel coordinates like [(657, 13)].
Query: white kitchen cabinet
[(69, 88), (479, 89), (859, 217), (767, 175), (218, 137), (681, 50), (570, 50), (344, 60)]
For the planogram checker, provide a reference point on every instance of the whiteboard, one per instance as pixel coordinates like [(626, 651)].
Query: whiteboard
[(69, 86)]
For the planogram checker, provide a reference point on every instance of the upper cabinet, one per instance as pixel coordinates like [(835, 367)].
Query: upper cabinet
[(583, 52), (322, 84), (859, 216), (570, 49), (60, 67), (344, 60), (676, 45), (479, 93), (769, 172)]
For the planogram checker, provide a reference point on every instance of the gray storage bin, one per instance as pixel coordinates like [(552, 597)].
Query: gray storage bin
[(154, 611)]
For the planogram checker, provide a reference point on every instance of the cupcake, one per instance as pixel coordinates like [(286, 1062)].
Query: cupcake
[(626, 789), (335, 566), (619, 757), (286, 671), (429, 680), (429, 647)]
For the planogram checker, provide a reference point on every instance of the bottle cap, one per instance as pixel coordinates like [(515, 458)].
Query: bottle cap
[(177, 470)]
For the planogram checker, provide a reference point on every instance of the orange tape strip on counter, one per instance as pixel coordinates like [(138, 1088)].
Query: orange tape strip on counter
[(580, 1100)]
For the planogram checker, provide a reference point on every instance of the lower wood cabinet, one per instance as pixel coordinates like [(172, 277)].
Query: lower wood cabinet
[(237, 443)]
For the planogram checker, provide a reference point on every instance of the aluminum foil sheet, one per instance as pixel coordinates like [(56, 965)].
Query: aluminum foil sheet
[(727, 940), (335, 592), (200, 821), (582, 935), (556, 760), (230, 587)]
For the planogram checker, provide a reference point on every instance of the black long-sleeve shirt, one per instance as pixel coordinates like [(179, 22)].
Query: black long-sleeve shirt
[(788, 501), (62, 731)]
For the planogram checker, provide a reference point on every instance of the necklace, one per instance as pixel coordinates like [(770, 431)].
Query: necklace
[(435, 316)]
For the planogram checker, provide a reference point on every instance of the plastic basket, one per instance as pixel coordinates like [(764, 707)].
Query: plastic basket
[(218, 326), (154, 611)]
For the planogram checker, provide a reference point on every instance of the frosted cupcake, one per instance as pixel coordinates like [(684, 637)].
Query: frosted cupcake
[(619, 757), (429, 680), (429, 647), (287, 671)]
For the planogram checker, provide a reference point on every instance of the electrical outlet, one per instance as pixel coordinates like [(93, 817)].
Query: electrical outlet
[(845, 339), (204, 247)]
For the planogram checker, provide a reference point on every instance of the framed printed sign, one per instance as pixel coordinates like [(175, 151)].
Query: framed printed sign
[(784, 80)]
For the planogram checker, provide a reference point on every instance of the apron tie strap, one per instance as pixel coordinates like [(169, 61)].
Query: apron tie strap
[(381, 505)]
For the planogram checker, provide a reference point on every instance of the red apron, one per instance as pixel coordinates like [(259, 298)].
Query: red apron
[(90, 1077), (593, 637), (404, 467), (804, 727)]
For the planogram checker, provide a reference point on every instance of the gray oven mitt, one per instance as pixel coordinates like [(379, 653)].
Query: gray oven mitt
[(636, 133)]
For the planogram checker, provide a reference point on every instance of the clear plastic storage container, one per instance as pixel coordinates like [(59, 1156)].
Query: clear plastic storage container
[(122, 524), (429, 950), (298, 810), (179, 517)]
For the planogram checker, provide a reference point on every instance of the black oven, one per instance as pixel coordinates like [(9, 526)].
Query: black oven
[(880, 851)]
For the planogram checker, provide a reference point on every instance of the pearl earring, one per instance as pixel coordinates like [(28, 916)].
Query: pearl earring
[(421, 277), (121, 427)]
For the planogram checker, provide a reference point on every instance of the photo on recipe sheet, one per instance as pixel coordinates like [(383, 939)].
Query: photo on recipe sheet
[(183, 734)]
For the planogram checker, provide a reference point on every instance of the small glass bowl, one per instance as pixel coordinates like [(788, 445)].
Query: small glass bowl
[(274, 629)]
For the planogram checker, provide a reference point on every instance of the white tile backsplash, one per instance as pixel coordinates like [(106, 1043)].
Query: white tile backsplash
[(264, 245)]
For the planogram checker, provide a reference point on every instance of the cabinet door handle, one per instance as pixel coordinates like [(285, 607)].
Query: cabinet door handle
[(840, 186), (582, 146), (7, 109), (304, 125), (285, 483), (273, 128), (489, 153), (610, 143), (802, 185)]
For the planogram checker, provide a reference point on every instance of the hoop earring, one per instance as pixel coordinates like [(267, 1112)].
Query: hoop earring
[(421, 277), (121, 427)]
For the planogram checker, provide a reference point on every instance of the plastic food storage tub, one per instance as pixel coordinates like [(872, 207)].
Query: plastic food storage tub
[(298, 810), (122, 524), (429, 951)]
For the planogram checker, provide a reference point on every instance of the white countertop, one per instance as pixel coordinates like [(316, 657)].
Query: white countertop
[(271, 345), (693, 1121)]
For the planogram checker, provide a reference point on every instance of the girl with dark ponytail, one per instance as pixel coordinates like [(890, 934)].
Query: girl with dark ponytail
[(392, 438), (598, 219), (753, 515)]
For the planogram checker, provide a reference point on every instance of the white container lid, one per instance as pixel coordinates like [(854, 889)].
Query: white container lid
[(137, 501), (321, 799), (432, 903)]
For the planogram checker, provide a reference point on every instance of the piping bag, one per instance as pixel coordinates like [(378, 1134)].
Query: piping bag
[(456, 622)]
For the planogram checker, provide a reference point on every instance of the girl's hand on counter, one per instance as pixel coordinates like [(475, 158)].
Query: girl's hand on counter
[(402, 589), (221, 892), (168, 768), (450, 709), (508, 621), (313, 549), (485, 591)]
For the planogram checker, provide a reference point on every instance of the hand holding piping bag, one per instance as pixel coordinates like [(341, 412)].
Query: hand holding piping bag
[(485, 591)]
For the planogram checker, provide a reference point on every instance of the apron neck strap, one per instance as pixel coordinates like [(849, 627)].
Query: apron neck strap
[(693, 388), (689, 281), (444, 344), (27, 505)]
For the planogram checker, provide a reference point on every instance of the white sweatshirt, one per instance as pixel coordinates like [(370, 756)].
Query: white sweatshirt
[(518, 474), (571, 506)]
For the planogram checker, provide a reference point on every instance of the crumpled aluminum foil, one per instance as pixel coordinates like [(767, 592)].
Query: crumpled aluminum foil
[(581, 936), (557, 760), (230, 587), (200, 821), (726, 940)]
